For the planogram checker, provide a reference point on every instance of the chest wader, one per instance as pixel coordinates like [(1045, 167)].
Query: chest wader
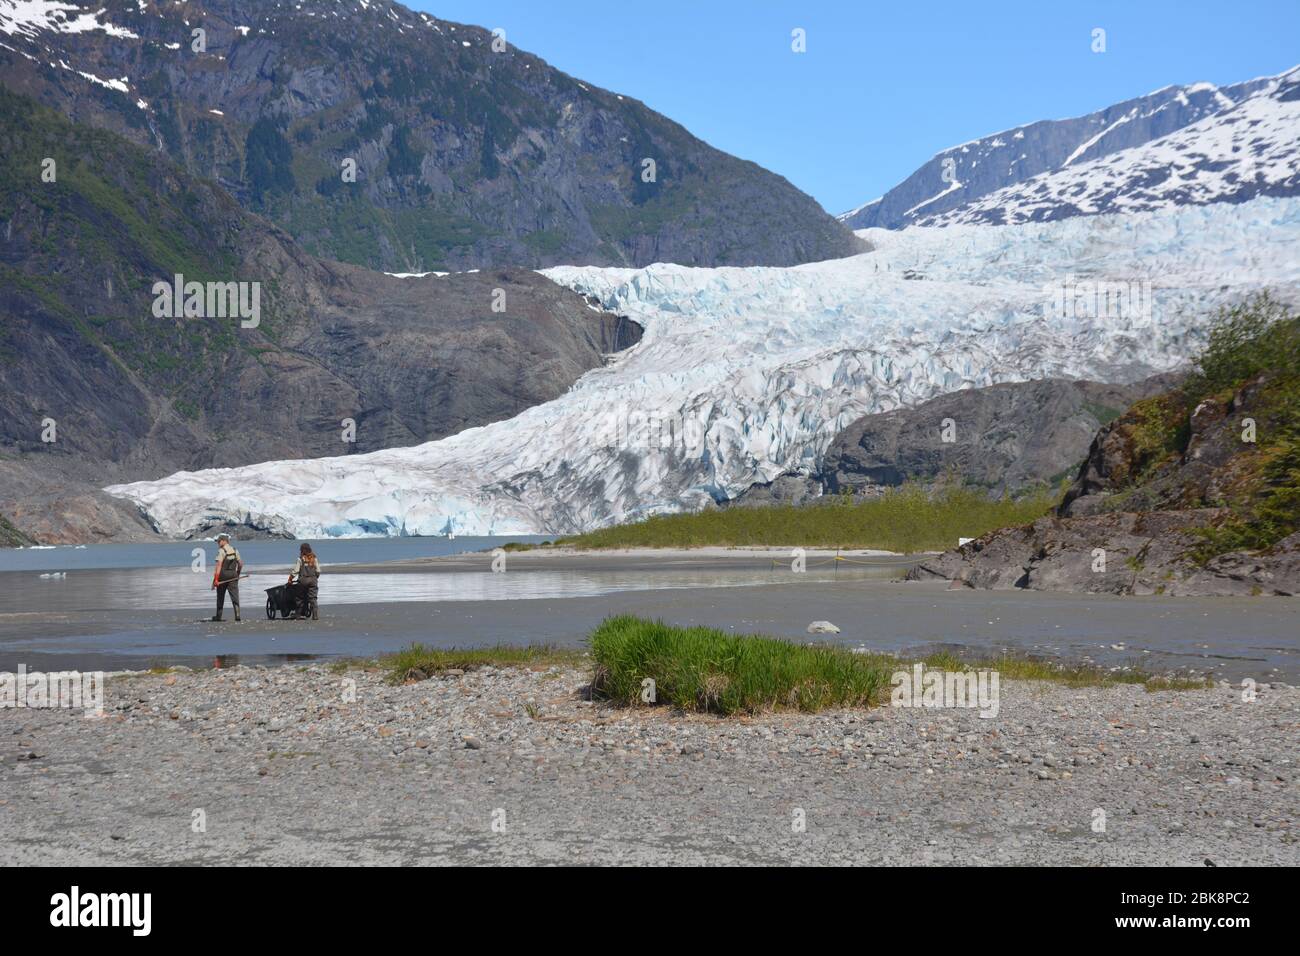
[(308, 579), (228, 580)]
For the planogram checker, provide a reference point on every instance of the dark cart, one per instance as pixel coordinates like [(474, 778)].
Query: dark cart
[(279, 600), (282, 600)]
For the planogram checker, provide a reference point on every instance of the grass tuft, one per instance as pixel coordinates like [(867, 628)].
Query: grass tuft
[(702, 669)]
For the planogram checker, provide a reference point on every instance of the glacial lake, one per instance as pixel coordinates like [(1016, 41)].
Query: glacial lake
[(134, 606)]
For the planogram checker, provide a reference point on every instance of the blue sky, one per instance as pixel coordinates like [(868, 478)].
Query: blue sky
[(883, 85)]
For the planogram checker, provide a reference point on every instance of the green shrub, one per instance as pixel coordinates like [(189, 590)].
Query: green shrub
[(707, 670), (1257, 335)]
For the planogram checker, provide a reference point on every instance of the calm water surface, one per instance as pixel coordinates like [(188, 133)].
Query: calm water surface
[(115, 606)]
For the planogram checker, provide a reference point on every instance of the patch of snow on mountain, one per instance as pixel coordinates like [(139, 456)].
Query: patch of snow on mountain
[(952, 187), (852, 212), (1091, 141), (743, 374), (30, 17), (118, 85)]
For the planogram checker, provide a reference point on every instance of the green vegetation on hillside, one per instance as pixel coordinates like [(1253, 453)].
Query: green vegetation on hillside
[(1249, 371), (906, 519), (1259, 335), (136, 220), (1103, 413), (11, 537), (1157, 431), (268, 159), (1257, 341), (352, 229)]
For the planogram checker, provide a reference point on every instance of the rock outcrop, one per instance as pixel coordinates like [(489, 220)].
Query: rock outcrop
[(1006, 438), (1177, 497), (1116, 553)]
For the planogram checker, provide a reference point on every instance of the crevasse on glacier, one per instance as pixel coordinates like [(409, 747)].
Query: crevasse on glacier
[(746, 373)]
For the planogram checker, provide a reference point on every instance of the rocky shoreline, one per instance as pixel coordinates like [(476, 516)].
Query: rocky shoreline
[(318, 765), (1116, 553)]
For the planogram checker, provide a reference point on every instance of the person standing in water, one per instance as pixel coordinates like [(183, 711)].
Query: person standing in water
[(226, 575), (307, 572)]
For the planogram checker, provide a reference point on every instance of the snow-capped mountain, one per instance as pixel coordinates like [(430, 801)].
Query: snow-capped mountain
[(465, 150), (1209, 151), (744, 374), (1247, 150)]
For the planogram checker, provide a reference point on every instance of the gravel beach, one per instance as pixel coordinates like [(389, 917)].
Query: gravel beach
[(308, 765)]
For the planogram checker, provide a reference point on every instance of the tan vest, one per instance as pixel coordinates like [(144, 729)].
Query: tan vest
[(224, 552)]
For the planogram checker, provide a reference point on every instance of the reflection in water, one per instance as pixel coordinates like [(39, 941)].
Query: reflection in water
[(158, 588)]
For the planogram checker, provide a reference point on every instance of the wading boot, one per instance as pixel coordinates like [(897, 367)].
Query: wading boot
[(236, 612)]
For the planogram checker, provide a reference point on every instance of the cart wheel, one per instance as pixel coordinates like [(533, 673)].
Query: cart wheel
[(270, 609)]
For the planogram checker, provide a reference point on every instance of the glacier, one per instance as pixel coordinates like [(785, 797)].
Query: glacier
[(744, 374)]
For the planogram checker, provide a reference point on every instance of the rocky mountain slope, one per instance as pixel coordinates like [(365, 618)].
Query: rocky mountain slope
[(1182, 144), (744, 375), (1004, 437), (467, 151), (134, 395), (1195, 491), (1251, 149)]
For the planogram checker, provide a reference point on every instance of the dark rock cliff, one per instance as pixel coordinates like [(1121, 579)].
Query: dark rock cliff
[(1006, 439)]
